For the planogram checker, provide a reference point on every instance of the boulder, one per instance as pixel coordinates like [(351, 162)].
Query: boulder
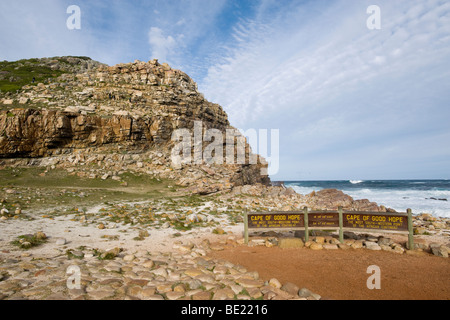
[(285, 243), (290, 288), (316, 246), (439, 250)]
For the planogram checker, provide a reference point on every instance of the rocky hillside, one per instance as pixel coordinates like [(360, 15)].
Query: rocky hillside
[(78, 114), (99, 122), (14, 75)]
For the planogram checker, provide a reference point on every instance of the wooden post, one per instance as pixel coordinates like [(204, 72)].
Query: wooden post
[(341, 223), (410, 230), (246, 227), (305, 213)]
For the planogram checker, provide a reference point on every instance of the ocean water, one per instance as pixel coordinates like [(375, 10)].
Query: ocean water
[(422, 196)]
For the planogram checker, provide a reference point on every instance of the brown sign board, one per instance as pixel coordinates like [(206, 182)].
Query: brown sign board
[(279, 220), (317, 220), (380, 222), (323, 220)]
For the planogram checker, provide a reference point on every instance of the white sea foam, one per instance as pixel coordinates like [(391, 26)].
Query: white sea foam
[(419, 201), (356, 181)]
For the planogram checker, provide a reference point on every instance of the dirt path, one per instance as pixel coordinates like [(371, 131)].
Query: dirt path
[(342, 275)]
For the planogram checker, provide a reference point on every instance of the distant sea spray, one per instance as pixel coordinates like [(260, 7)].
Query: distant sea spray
[(422, 196)]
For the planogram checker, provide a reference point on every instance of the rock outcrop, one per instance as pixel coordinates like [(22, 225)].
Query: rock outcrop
[(127, 109), (286, 199)]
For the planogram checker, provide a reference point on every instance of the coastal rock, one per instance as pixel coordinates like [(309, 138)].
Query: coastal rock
[(290, 243), (358, 244), (422, 244), (439, 250), (275, 283), (40, 235), (343, 246), (250, 283), (61, 241), (320, 240), (398, 249), (290, 288), (385, 241), (129, 257), (316, 246), (330, 246), (372, 245), (332, 199)]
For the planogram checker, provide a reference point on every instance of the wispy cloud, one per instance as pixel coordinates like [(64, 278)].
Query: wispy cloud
[(334, 88), (35, 28), (181, 31), (316, 72), (161, 45)]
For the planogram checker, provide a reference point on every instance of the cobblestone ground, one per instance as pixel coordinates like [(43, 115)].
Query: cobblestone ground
[(186, 273)]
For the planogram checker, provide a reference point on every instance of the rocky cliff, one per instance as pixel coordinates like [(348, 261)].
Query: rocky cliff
[(78, 113)]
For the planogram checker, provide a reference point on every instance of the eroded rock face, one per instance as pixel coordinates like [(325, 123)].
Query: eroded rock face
[(39, 133)]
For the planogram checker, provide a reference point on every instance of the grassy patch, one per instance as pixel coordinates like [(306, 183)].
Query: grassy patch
[(105, 255), (181, 226), (16, 74), (74, 255), (35, 187), (145, 201), (28, 241), (39, 177)]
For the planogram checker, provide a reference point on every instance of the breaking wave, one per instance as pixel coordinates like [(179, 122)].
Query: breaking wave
[(428, 196)]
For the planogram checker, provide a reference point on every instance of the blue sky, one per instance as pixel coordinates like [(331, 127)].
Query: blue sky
[(350, 103)]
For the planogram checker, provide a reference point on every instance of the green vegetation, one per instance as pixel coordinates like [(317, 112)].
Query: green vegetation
[(71, 254), (15, 105), (35, 188), (109, 255), (14, 75), (134, 200), (65, 60), (28, 241), (57, 178)]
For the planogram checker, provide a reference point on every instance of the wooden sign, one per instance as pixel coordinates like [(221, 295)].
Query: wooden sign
[(279, 220), (381, 222), (323, 220), (328, 220)]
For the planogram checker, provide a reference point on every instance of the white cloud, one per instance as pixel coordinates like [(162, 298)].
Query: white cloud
[(181, 22), (309, 68), (162, 46), (331, 76), (183, 33), (37, 29), (380, 60)]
